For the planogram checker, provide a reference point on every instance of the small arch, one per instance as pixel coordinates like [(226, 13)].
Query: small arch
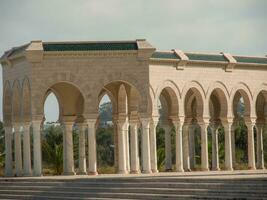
[(192, 87), (169, 90), (241, 90), (26, 100), (16, 101), (7, 104)]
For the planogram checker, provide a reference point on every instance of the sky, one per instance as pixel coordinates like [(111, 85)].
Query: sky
[(232, 26)]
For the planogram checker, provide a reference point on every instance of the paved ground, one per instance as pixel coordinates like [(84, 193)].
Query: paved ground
[(189, 185)]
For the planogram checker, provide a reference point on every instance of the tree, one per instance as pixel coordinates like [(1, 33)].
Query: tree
[(52, 148)]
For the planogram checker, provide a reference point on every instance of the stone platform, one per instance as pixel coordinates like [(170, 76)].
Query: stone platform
[(191, 185)]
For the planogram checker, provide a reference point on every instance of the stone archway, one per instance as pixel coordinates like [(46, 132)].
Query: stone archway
[(242, 110)]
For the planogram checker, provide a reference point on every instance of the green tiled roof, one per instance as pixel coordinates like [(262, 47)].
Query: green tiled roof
[(250, 60), (98, 46), (165, 55), (206, 57)]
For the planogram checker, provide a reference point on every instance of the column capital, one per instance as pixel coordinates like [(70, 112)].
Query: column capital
[(16, 126), (91, 122), (145, 122)]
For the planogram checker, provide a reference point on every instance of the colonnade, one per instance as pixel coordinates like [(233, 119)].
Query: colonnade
[(128, 150)]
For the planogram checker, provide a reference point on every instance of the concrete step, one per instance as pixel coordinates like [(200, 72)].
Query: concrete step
[(37, 194), (137, 187)]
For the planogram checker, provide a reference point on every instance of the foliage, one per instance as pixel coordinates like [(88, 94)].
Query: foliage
[(52, 148), (105, 146)]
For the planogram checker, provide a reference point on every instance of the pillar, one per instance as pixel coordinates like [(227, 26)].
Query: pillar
[(179, 145), (134, 167), (186, 156), (92, 162), (251, 151), (37, 155), (192, 146), (260, 152), (146, 168), (153, 144), (204, 146), (168, 148), (18, 152), (8, 151), (121, 125), (215, 149), (68, 162), (82, 156), (233, 144), (26, 150), (127, 149)]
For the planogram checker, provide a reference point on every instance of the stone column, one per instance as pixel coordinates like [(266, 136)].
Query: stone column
[(27, 170), (153, 144), (186, 156), (192, 146), (8, 151), (145, 146), (135, 166), (68, 162), (251, 151), (92, 161), (179, 145), (82, 156), (127, 149), (260, 152), (228, 145), (233, 144), (215, 151), (121, 125), (37, 155), (204, 146), (168, 148), (18, 155)]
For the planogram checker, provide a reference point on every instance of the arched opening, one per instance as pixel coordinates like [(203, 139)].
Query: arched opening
[(192, 148), (105, 136), (218, 113), (167, 109), (261, 129), (52, 137), (63, 106), (241, 111), (124, 102)]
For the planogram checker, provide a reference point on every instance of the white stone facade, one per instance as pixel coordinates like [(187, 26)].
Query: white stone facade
[(196, 90)]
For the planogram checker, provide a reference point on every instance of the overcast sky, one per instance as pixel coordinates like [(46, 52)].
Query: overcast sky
[(234, 26)]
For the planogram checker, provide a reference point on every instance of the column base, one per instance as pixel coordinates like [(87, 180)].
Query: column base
[(252, 168), (229, 169), (68, 173), (92, 173), (155, 171), (81, 173), (217, 169), (205, 169), (135, 172), (179, 170)]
